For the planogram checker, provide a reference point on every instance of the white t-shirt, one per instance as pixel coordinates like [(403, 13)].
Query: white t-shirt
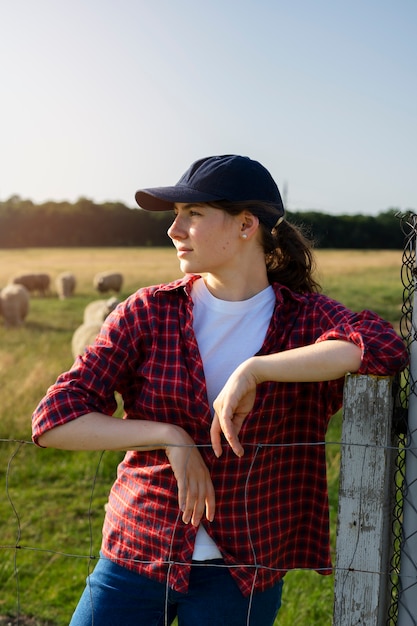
[(227, 333)]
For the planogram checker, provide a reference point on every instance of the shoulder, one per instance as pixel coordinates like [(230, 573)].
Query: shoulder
[(154, 297), (314, 299), (313, 310)]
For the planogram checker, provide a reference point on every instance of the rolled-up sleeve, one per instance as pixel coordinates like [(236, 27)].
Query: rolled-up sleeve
[(90, 384), (383, 351)]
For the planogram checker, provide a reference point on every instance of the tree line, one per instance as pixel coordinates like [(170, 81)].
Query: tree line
[(24, 224)]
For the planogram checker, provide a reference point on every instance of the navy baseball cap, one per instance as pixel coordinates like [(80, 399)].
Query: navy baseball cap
[(215, 178)]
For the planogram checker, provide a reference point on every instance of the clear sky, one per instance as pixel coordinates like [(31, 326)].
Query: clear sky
[(103, 97)]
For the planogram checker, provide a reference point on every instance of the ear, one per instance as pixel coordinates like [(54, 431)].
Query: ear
[(249, 224)]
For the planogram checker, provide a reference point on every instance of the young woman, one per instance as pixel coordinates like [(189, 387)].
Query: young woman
[(229, 377)]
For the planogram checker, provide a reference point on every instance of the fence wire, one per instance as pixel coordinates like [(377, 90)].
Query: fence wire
[(406, 386)]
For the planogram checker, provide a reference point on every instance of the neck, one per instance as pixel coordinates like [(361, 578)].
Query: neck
[(236, 288)]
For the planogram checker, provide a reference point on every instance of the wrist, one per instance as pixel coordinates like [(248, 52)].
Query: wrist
[(253, 369), (176, 436)]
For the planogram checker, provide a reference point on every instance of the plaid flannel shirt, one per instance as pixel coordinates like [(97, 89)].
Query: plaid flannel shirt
[(272, 504)]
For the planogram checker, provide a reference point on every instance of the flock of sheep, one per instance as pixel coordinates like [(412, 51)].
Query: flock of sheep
[(15, 301)]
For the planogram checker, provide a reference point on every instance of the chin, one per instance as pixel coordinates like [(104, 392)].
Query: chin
[(187, 268)]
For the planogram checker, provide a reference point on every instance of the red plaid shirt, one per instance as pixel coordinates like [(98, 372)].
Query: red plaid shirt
[(271, 505)]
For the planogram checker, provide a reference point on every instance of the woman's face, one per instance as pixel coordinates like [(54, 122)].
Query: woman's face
[(207, 239)]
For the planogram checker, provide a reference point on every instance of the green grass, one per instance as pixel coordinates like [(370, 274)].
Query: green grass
[(52, 502)]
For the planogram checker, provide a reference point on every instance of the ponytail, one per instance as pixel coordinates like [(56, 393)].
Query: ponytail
[(289, 257)]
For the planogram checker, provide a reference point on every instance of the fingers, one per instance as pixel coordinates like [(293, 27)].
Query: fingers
[(231, 407), (230, 431), (195, 488), (215, 436), (210, 502), (200, 499)]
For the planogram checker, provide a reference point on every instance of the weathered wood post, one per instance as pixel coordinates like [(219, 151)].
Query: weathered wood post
[(361, 588)]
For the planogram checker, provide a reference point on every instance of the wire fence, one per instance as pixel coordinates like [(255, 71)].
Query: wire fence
[(406, 393), (25, 462), (33, 544)]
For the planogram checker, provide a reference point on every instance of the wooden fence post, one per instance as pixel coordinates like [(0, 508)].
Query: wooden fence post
[(363, 550)]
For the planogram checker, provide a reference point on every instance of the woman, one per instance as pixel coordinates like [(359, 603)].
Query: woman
[(243, 346)]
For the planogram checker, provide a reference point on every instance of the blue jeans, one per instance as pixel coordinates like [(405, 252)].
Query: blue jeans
[(116, 596)]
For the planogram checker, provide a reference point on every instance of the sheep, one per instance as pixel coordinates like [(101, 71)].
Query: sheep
[(107, 281), (33, 282), (84, 336), (65, 285), (14, 304), (98, 310)]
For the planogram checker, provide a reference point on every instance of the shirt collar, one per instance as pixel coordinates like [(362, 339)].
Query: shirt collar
[(186, 282)]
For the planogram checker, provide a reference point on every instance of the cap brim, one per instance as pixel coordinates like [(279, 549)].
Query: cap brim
[(164, 198)]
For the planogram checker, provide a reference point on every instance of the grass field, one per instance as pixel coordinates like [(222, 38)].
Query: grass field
[(51, 503)]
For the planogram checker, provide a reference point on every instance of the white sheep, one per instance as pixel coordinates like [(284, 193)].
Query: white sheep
[(33, 282), (14, 304), (108, 281), (84, 336), (65, 285), (98, 310)]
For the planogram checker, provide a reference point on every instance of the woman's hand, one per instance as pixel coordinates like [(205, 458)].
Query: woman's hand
[(326, 360), (232, 405), (195, 488)]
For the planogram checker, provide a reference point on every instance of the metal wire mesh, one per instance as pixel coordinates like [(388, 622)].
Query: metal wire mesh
[(404, 387)]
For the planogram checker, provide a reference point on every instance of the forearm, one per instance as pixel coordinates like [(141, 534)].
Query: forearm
[(327, 360), (96, 431)]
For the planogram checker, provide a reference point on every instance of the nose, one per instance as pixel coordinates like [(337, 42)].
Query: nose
[(176, 230)]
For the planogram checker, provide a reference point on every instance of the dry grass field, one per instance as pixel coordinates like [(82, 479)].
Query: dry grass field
[(139, 266), (350, 262), (142, 266), (358, 278)]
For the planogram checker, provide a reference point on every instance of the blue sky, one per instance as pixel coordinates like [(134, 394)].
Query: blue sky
[(102, 97)]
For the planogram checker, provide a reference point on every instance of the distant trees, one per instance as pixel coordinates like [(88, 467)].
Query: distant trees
[(352, 231), (85, 223)]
